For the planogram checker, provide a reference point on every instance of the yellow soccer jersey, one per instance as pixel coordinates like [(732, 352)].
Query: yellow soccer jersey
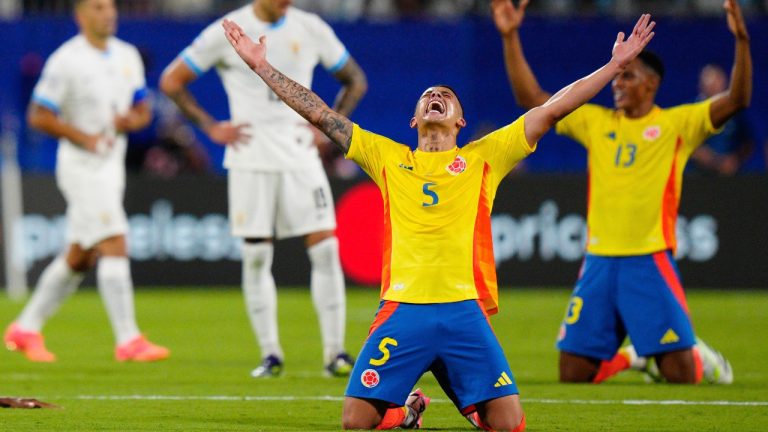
[(635, 173), (437, 213)]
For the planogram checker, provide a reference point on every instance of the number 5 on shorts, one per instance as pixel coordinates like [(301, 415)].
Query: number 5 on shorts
[(384, 351)]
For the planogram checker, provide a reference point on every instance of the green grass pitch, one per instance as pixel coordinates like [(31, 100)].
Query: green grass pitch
[(206, 386)]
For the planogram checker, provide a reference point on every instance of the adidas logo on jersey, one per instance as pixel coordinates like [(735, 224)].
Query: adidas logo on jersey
[(503, 380), (669, 337)]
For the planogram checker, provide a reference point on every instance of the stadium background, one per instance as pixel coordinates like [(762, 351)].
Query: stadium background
[(179, 234)]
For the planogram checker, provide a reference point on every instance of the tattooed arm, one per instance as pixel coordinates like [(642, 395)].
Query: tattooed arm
[(302, 100)]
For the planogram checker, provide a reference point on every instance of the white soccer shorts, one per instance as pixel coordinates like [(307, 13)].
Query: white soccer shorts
[(279, 204), (94, 211)]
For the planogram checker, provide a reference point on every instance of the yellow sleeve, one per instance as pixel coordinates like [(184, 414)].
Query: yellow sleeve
[(504, 148), (369, 150), (578, 123), (696, 123)]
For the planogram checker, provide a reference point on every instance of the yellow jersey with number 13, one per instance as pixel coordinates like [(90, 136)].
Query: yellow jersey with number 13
[(635, 173), (438, 246)]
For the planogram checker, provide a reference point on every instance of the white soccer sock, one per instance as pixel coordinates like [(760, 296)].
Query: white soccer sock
[(327, 286), (261, 296), (56, 283), (113, 277)]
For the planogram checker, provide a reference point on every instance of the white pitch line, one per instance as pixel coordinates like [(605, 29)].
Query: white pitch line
[(434, 400), (644, 402)]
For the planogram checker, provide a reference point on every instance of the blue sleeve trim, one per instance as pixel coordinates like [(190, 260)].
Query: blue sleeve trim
[(46, 103), (195, 68), (339, 64), (139, 95)]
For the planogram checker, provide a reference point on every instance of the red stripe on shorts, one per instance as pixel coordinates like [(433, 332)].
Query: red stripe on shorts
[(670, 277), (383, 315)]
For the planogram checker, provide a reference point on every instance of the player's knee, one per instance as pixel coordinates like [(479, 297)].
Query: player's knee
[(577, 369), (677, 367), (350, 421), (81, 262), (575, 375), (508, 424), (680, 376)]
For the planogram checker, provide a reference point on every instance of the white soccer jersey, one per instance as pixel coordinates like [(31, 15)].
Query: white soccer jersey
[(280, 138), (87, 87)]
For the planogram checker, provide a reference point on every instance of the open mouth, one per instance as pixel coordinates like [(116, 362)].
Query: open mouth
[(436, 106)]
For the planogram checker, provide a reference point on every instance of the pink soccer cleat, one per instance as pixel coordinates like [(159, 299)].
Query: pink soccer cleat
[(29, 343), (139, 349)]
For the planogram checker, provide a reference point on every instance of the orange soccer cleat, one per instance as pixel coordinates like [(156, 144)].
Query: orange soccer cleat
[(29, 343), (139, 349)]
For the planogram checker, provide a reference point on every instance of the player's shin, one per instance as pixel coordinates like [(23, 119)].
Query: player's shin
[(261, 296), (327, 286), (57, 282), (113, 277)]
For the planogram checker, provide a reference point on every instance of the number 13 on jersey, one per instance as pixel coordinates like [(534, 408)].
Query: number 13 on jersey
[(625, 155)]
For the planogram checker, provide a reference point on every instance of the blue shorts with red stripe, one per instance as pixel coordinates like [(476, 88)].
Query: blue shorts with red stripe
[(640, 296), (452, 340)]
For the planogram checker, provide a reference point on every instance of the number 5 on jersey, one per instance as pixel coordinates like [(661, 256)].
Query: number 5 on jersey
[(431, 196)]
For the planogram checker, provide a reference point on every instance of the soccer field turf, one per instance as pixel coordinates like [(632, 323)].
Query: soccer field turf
[(205, 385)]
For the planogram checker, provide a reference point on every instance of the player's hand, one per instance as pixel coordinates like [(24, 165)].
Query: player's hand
[(9, 402), (100, 144), (226, 133), (736, 23), (506, 16), (624, 51), (253, 54)]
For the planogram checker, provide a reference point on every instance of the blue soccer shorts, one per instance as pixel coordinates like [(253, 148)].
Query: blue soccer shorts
[(453, 340), (640, 296)]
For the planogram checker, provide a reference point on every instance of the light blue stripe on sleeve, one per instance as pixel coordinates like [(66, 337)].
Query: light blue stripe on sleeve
[(339, 64), (188, 60), (46, 103)]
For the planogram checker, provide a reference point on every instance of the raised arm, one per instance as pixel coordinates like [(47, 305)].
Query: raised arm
[(302, 100), (539, 120), (739, 93), (174, 83), (525, 87)]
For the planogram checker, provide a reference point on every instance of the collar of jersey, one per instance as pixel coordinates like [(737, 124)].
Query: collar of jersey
[(651, 114)]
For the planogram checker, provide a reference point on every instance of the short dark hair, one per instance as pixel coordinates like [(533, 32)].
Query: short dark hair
[(454, 92), (652, 61)]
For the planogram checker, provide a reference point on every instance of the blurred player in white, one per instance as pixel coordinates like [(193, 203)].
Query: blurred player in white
[(91, 93), (277, 186)]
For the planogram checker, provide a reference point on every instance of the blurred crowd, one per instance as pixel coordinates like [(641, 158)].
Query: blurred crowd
[(170, 146), (386, 10)]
